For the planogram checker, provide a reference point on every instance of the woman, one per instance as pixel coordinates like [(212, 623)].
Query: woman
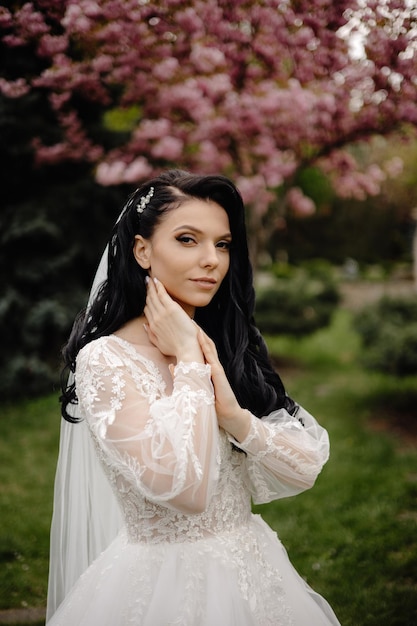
[(189, 422)]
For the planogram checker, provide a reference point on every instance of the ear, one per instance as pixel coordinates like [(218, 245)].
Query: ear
[(142, 251)]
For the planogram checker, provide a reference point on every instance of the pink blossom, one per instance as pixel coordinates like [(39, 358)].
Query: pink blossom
[(300, 204), (189, 20), (153, 129), (49, 155), (278, 167), (14, 88), (75, 19), (6, 19), (136, 171), (255, 193), (102, 63), (207, 152), (58, 100), (376, 174), (168, 148), (14, 41), (253, 89), (250, 187), (206, 59), (394, 167), (50, 45), (110, 173), (210, 159), (166, 69), (31, 23), (57, 76), (215, 86)]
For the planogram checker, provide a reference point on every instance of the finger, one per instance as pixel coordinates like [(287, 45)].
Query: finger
[(148, 315), (161, 293), (153, 300), (151, 335), (207, 340), (209, 348)]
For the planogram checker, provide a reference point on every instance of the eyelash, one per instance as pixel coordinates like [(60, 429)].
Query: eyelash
[(186, 239)]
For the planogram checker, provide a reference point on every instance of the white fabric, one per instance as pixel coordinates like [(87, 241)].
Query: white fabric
[(86, 516), (190, 551)]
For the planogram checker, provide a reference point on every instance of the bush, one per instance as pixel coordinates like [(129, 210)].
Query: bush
[(27, 376), (31, 335), (388, 332), (297, 305)]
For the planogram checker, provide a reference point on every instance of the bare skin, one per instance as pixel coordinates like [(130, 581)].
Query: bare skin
[(187, 259), (174, 333)]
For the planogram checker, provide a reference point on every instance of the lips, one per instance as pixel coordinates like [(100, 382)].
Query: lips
[(205, 282), (205, 279)]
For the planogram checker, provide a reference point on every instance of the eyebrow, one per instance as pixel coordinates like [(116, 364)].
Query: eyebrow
[(200, 232)]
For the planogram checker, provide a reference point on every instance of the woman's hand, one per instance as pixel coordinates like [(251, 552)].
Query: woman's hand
[(169, 327), (230, 415)]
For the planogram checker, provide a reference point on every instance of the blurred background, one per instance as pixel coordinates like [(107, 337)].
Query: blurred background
[(311, 108)]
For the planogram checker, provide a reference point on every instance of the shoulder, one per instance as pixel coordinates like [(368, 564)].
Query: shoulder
[(108, 353), (103, 356), (100, 351), (110, 364)]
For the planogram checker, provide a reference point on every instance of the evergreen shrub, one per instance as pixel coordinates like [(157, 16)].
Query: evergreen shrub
[(298, 304), (388, 332)]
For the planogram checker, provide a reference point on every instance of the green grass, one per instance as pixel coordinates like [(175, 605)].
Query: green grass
[(352, 537), (28, 452)]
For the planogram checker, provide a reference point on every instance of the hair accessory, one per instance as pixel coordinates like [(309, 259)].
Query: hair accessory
[(144, 201)]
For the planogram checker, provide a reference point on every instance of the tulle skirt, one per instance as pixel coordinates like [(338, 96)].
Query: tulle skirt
[(241, 578)]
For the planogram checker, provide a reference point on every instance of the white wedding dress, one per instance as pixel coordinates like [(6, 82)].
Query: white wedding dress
[(190, 552)]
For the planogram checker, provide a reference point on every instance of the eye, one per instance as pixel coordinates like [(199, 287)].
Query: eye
[(186, 239), (224, 245)]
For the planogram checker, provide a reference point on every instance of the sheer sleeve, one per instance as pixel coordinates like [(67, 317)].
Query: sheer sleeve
[(165, 445), (284, 454)]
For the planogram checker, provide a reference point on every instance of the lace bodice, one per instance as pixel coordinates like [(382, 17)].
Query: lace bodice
[(176, 475)]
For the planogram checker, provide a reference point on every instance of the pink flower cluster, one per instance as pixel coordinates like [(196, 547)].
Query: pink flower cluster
[(255, 90)]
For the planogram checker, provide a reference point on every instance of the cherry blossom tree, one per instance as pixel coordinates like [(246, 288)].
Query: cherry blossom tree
[(256, 89)]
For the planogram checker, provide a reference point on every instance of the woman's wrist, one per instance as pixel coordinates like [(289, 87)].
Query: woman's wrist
[(239, 425), (189, 355)]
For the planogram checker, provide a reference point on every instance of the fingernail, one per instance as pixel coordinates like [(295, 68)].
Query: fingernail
[(155, 280), (146, 280)]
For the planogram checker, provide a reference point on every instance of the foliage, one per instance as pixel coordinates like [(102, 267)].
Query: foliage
[(369, 232), (53, 223), (259, 90), (388, 330), (359, 517), (47, 259), (297, 304), (267, 92)]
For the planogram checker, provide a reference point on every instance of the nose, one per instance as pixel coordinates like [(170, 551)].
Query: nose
[(209, 257)]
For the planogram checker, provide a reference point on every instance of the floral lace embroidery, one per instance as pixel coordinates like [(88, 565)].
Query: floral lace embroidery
[(223, 529), (202, 369)]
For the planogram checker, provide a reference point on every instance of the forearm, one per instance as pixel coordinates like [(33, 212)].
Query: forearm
[(238, 426), (283, 457), (190, 353)]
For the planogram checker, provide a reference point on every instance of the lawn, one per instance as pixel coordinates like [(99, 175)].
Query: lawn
[(353, 537)]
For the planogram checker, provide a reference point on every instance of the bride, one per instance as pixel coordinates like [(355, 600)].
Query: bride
[(175, 420)]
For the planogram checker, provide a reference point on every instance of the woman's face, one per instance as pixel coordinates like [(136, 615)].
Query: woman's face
[(189, 252)]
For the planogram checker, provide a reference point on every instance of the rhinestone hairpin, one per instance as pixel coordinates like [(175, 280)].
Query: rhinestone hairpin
[(144, 201)]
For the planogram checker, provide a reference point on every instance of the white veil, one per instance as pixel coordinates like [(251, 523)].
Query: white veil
[(86, 515)]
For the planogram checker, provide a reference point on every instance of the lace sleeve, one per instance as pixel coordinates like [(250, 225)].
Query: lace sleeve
[(165, 445), (284, 454)]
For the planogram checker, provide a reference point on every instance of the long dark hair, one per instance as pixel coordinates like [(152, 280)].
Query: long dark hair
[(228, 319)]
